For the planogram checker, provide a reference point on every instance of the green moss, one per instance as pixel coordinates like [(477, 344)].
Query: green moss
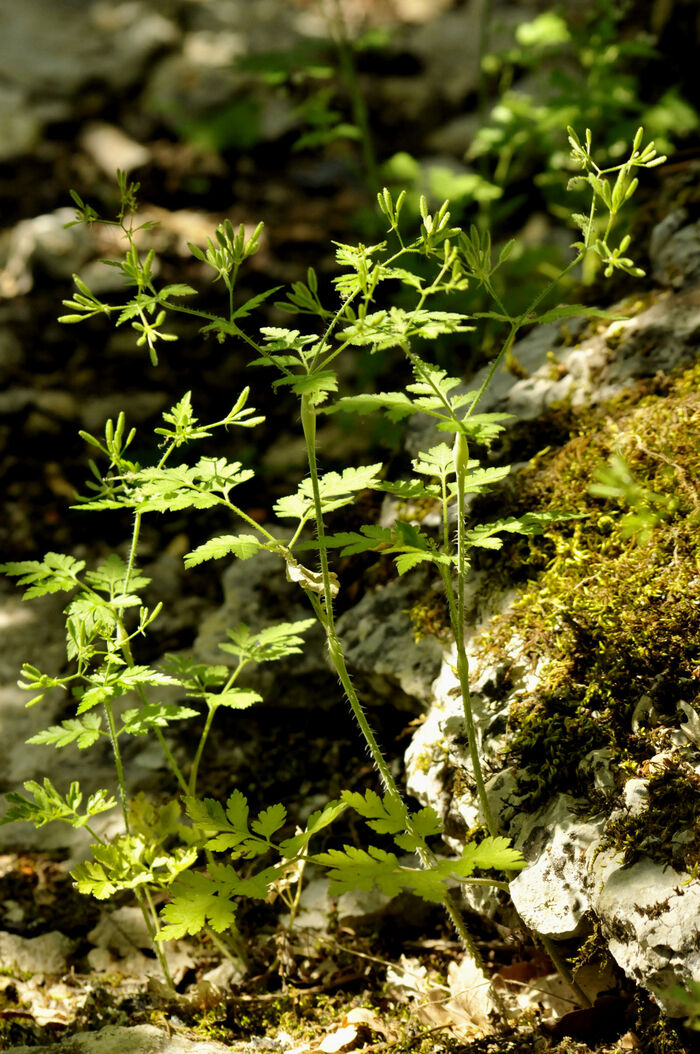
[(656, 1033), (673, 807), (431, 618), (617, 619)]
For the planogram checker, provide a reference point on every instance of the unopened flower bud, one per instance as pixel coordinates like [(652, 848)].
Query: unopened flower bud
[(460, 454)]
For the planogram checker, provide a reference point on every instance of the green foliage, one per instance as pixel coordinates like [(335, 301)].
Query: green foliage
[(55, 573), (689, 998), (647, 509), (48, 805), (269, 644), (581, 73), (130, 862), (353, 868), (105, 617)]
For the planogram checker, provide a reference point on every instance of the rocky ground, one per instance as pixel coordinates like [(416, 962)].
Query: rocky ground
[(611, 836)]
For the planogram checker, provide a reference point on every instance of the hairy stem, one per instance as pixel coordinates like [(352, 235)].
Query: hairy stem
[(325, 614), (200, 749), (151, 919)]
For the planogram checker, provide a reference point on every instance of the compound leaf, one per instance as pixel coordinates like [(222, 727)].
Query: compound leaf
[(242, 546)]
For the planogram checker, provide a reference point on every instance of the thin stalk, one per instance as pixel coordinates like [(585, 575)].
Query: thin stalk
[(308, 420), (143, 896), (463, 676), (132, 554), (149, 915), (175, 768), (118, 764), (562, 969), (359, 109), (516, 325), (296, 899), (218, 943), (200, 750), (325, 614)]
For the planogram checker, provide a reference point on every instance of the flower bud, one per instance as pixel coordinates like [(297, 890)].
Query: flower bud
[(460, 454)]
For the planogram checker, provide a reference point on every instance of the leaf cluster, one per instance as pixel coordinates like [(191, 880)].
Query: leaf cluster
[(354, 868)]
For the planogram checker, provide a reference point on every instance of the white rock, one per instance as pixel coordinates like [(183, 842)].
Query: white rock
[(651, 916), (141, 1039), (112, 149), (550, 895), (379, 643), (635, 795), (45, 954)]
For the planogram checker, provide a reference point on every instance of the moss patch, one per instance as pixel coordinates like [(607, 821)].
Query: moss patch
[(673, 810), (613, 599)]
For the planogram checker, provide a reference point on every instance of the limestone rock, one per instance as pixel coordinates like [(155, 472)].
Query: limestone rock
[(651, 916), (550, 895), (45, 954), (380, 647), (141, 1039)]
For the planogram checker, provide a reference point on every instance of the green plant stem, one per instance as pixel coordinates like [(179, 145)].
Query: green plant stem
[(359, 109), (132, 553), (563, 970), (326, 617), (175, 768), (516, 325), (325, 610), (463, 661), (463, 677), (109, 713), (200, 749), (218, 943), (143, 898)]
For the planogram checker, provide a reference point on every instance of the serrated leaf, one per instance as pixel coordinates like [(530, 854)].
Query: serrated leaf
[(576, 311), (297, 844), (351, 869), (315, 386), (407, 561), (490, 854), (197, 901), (349, 481), (396, 404), (337, 489), (176, 289), (83, 732), (130, 862), (242, 546), (199, 486), (385, 815), (437, 461), (110, 683), (235, 698), (110, 576), (237, 810), (141, 720), (48, 805), (426, 822), (55, 573), (245, 309), (269, 820), (411, 489), (486, 535), (269, 644)]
